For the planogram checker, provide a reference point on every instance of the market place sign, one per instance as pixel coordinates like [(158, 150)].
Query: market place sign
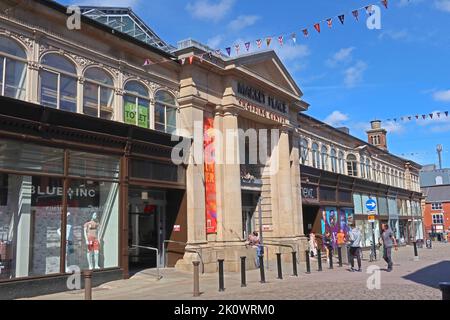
[(260, 97)]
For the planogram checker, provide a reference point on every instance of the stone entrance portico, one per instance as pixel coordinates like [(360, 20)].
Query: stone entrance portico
[(250, 92)]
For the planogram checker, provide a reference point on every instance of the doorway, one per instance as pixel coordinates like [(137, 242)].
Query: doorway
[(147, 228), (311, 220)]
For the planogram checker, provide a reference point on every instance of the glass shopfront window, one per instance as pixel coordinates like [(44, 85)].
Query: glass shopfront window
[(152, 170), (20, 156), (367, 232), (383, 206), (92, 224), (357, 202), (31, 209), (30, 221), (83, 164)]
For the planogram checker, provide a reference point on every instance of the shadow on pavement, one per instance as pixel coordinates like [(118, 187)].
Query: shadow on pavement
[(432, 275)]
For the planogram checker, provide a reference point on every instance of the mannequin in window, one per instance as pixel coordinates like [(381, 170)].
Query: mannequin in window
[(69, 238), (93, 244)]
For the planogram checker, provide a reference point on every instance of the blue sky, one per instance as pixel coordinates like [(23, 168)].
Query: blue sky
[(350, 75)]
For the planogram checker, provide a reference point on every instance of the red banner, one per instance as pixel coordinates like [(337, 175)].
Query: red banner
[(210, 177)]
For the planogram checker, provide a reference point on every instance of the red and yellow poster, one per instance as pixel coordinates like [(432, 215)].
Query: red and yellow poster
[(210, 176)]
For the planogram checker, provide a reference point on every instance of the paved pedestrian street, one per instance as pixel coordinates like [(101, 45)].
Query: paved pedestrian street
[(410, 280)]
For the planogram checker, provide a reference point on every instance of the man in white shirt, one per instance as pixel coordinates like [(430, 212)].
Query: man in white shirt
[(355, 238)]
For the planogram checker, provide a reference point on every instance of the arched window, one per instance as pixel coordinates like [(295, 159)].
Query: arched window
[(334, 162), (304, 151), (136, 104), (439, 180), (98, 94), (363, 167), (341, 162), (165, 112), (315, 155), (352, 165), (324, 157), (369, 169), (13, 69), (58, 83)]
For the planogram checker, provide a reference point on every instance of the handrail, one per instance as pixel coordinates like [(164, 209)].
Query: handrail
[(292, 247), (186, 250), (159, 277)]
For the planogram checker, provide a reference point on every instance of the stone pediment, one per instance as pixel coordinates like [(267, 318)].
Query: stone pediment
[(268, 66)]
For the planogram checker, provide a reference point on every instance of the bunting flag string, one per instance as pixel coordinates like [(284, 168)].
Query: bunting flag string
[(330, 23), (317, 26), (268, 40)]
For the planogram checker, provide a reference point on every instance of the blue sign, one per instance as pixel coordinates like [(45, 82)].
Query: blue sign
[(371, 205)]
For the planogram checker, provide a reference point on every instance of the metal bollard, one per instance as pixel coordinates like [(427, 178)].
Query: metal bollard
[(280, 271), (261, 269), (243, 274), (196, 278), (319, 260), (340, 256), (445, 288), (221, 279), (308, 263), (294, 264), (330, 257), (416, 252), (87, 284)]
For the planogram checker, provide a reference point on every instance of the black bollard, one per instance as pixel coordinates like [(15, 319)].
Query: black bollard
[(330, 257), (221, 279), (261, 269), (319, 260), (294, 264), (445, 288), (280, 271), (416, 252), (243, 275), (308, 263), (340, 256)]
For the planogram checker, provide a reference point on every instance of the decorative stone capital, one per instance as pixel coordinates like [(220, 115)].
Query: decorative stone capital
[(33, 65), (119, 91), (81, 80)]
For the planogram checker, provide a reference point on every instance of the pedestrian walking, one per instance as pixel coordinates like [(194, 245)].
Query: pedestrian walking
[(355, 238), (389, 241), (312, 245), (328, 243)]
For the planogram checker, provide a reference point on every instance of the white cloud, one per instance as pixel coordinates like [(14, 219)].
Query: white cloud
[(336, 119), (215, 42), (292, 52), (243, 22), (207, 10), (443, 5), (443, 95), (342, 56), (404, 3), (395, 35), (393, 127), (354, 75)]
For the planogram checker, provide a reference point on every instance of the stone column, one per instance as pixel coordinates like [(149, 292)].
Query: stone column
[(229, 178), (283, 217), (191, 120), (296, 186)]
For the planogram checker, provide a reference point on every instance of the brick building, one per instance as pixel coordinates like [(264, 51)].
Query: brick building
[(437, 210)]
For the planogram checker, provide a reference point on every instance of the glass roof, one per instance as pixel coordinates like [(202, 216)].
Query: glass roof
[(126, 21)]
